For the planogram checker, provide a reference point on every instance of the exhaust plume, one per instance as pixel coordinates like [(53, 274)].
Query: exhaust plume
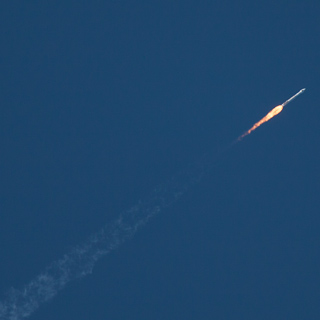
[(269, 116)]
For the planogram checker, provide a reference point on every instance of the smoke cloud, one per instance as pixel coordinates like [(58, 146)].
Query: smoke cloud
[(80, 261)]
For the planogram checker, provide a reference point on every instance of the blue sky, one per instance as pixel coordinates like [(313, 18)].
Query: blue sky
[(103, 101)]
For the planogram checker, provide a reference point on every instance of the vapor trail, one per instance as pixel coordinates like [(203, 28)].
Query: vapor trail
[(80, 261)]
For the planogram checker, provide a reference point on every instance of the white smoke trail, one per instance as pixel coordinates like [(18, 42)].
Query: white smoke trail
[(80, 260)]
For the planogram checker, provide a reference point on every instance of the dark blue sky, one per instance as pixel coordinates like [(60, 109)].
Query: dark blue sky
[(103, 100)]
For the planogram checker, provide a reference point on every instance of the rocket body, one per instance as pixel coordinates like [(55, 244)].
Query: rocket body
[(293, 97), (276, 110)]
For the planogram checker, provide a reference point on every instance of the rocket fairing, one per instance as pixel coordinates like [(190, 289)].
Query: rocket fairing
[(293, 97)]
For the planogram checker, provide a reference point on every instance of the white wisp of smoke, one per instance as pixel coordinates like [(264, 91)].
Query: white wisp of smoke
[(80, 261)]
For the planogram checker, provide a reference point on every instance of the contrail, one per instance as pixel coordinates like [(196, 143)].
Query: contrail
[(270, 115), (80, 261)]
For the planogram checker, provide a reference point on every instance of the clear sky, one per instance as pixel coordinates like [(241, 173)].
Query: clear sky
[(102, 101)]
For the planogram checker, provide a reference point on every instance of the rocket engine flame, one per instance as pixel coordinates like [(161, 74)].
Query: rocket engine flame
[(269, 116)]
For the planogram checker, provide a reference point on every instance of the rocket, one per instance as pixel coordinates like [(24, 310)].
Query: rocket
[(276, 110), (293, 97)]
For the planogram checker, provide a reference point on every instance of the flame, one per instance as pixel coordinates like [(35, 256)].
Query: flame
[(270, 115)]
